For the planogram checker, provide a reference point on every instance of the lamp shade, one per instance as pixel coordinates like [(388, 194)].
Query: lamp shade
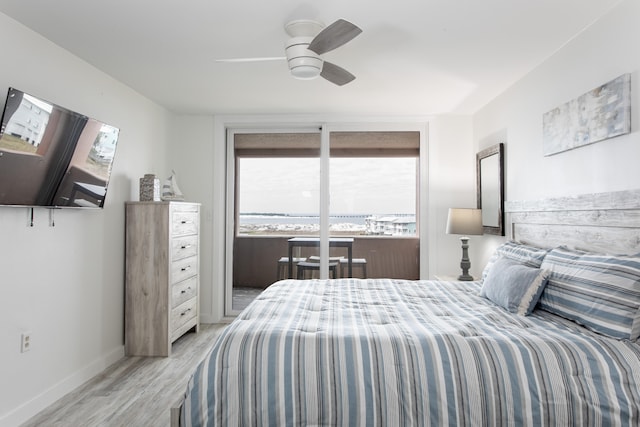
[(464, 221)]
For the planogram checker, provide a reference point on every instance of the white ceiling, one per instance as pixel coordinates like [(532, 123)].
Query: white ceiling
[(414, 57)]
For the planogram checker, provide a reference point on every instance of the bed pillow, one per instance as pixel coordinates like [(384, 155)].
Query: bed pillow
[(600, 292), (519, 252), (514, 286)]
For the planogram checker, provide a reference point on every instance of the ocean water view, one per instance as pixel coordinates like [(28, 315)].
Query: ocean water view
[(356, 224), (300, 218)]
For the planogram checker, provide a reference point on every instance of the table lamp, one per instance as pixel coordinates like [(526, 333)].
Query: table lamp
[(466, 222)]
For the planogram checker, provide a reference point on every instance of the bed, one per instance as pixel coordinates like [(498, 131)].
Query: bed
[(546, 337)]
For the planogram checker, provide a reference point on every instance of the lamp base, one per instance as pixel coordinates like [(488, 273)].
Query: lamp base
[(465, 264)]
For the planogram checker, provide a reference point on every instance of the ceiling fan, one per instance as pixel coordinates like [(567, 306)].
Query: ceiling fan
[(308, 41)]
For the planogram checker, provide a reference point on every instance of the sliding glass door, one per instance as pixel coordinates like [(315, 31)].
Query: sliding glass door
[(273, 195), (310, 203), (373, 189)]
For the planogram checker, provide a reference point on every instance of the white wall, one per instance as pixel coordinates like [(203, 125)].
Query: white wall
[(64, 284), (601, 53), (452, 184), (191, 155)]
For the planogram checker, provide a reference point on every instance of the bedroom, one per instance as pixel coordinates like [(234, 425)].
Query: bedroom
[(63, 310)]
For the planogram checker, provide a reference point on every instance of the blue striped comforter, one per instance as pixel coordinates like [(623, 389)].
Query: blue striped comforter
[(387, 352)]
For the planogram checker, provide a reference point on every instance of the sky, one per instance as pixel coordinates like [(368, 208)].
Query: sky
[(357, 185)]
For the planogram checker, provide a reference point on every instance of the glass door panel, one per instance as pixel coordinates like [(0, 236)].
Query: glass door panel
[(276, 198), (374, 198)]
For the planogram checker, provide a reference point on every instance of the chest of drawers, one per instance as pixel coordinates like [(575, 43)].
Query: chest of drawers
[(161, 275)]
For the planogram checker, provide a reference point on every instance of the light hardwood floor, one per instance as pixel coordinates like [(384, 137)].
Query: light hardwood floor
[(135, 391)]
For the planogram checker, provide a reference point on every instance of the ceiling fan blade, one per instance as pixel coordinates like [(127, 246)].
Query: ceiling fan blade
[(336, 75), (266, 58), (334, 36)]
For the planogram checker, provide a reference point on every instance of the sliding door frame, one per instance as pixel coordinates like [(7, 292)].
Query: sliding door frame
[(325, 129)]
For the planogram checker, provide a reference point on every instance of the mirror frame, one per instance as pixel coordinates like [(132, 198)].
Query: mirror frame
[(495, 150)]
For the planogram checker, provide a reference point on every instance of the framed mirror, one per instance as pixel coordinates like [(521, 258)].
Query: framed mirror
[(490, 188)]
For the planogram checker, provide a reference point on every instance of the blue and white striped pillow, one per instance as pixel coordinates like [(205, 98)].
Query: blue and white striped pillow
[(600, 292), (518, 252), (514, 286)]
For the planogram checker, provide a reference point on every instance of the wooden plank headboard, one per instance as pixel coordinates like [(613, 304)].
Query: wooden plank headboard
[(601, 222)]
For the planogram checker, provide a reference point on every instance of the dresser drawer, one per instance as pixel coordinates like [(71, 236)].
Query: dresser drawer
[(184, 223), (183, 314), (185, 207), (183, 269), (184, 247), (183, 291)]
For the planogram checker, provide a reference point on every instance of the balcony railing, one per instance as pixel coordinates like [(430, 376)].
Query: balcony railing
[(256, 258)]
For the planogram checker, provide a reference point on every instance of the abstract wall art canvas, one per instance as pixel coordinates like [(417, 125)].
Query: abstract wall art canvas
[(599, 114)]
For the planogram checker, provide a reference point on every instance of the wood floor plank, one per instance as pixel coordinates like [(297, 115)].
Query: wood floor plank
[(135, 391)]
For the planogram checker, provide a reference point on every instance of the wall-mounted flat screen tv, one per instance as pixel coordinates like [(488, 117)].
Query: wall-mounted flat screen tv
[(51, 156)]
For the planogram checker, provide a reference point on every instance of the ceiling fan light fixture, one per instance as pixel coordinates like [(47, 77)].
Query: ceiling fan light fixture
[(305, 72), (303, 63)]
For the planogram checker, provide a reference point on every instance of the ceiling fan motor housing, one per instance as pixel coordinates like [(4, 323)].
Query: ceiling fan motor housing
[(303, 63)]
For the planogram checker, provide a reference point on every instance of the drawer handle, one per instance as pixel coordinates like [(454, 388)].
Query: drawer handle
[(185, 246), (184, 221), (185, 312), (184, 291), (185, 268)]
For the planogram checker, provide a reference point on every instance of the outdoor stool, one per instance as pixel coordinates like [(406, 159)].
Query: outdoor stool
[(315, 266), (283, 264)]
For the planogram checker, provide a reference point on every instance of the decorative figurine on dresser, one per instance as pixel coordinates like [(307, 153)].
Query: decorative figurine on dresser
[(162, 275)]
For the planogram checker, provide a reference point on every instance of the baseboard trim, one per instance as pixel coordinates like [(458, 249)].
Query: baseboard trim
[(41, 401)]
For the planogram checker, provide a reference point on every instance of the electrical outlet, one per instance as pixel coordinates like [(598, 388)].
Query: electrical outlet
[(25, 342)]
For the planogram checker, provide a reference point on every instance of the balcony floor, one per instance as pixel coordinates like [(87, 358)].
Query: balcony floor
[(242, 297)]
